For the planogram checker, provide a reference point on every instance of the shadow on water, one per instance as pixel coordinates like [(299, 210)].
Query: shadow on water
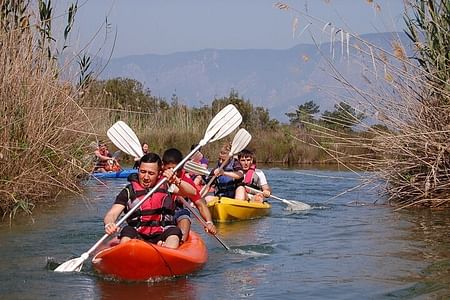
[(175, 288)]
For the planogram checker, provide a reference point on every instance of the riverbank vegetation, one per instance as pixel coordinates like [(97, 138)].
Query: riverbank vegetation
[(406, 99), (42, 127), (48, 124), (163, 124), (397, 127)]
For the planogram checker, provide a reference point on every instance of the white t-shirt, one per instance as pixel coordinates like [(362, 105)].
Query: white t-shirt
[(260, 178)]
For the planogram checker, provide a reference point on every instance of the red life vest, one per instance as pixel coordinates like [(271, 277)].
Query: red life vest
[(249, 175), (155, 213)]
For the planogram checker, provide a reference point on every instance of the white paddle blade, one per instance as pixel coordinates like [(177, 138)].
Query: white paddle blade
[(73, 265), (240, 141), (297, 206), (125, 139), (225, 122)]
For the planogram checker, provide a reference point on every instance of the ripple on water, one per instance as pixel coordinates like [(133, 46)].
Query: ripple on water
[(343, 248)]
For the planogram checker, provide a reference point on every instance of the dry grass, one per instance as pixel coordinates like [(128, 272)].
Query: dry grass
[(409, 149), (42, 128)]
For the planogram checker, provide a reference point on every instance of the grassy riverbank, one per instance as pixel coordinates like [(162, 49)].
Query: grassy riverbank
[(162, 125)]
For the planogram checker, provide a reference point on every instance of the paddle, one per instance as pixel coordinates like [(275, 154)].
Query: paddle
[(200, 219), (125, 139), (198, 169), (116, 154), (227, 120), (293, 205), (240, 141), (118, 135)]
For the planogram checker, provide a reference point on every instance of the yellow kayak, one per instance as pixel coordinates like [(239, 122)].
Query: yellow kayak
[(225, 209)]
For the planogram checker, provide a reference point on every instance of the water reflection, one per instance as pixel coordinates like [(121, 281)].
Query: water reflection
[(176, 288)]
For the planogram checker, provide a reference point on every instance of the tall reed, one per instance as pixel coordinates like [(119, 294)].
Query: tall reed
[(42, 128), (406, 102)]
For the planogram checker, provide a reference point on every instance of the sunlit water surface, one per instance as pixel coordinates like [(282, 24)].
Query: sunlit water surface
[(344, 248)]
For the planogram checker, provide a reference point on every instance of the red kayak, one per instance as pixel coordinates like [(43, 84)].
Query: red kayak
[(139, 260)]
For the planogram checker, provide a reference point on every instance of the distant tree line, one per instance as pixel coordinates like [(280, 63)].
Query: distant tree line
[(344, 117), (170, 123), (130, 95)]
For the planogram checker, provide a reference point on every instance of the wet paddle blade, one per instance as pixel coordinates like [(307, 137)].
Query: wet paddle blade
[(125, 139), (225, 122), (73, 265), (296, 205)]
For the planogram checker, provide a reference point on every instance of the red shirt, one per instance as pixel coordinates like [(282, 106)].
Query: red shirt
[(188, 179)]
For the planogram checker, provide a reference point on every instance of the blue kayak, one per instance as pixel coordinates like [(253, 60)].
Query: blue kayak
[(121, 174)]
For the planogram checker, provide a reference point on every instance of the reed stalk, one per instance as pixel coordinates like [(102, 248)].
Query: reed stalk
[(42, 128)]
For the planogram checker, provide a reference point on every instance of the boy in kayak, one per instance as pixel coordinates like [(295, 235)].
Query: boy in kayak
[(154, 220), (254, 177), (171, 158), (229, 179)]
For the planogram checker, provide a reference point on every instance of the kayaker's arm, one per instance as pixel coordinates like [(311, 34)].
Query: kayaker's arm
[(184, 188), (233, 174), (204, 211), (111, 217), (266, 190)]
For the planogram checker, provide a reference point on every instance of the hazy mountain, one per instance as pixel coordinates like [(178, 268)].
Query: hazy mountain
[(276, 79)]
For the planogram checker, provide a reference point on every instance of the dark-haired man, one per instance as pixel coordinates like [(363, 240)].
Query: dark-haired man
[(254, 177), (154, 220)]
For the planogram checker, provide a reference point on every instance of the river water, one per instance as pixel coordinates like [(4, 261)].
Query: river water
[(344, 248)]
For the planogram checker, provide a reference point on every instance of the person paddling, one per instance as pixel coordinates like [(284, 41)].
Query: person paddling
[(184, 187), (154, 220), (254, 177), (229, 179), (104, 160)]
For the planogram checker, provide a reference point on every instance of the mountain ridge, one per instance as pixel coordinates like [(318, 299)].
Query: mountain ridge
[(277, 79)]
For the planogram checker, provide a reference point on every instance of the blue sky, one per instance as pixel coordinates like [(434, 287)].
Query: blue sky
[(167, 26)]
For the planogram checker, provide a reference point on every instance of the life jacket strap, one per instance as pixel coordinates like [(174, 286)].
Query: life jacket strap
[(155, 223)]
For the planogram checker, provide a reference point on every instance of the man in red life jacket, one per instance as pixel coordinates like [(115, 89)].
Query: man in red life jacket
[(254, 177), (154, 220), (184, 186)]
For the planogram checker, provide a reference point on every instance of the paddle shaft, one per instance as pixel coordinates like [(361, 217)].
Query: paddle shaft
[(200, 219), (253, 190)]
